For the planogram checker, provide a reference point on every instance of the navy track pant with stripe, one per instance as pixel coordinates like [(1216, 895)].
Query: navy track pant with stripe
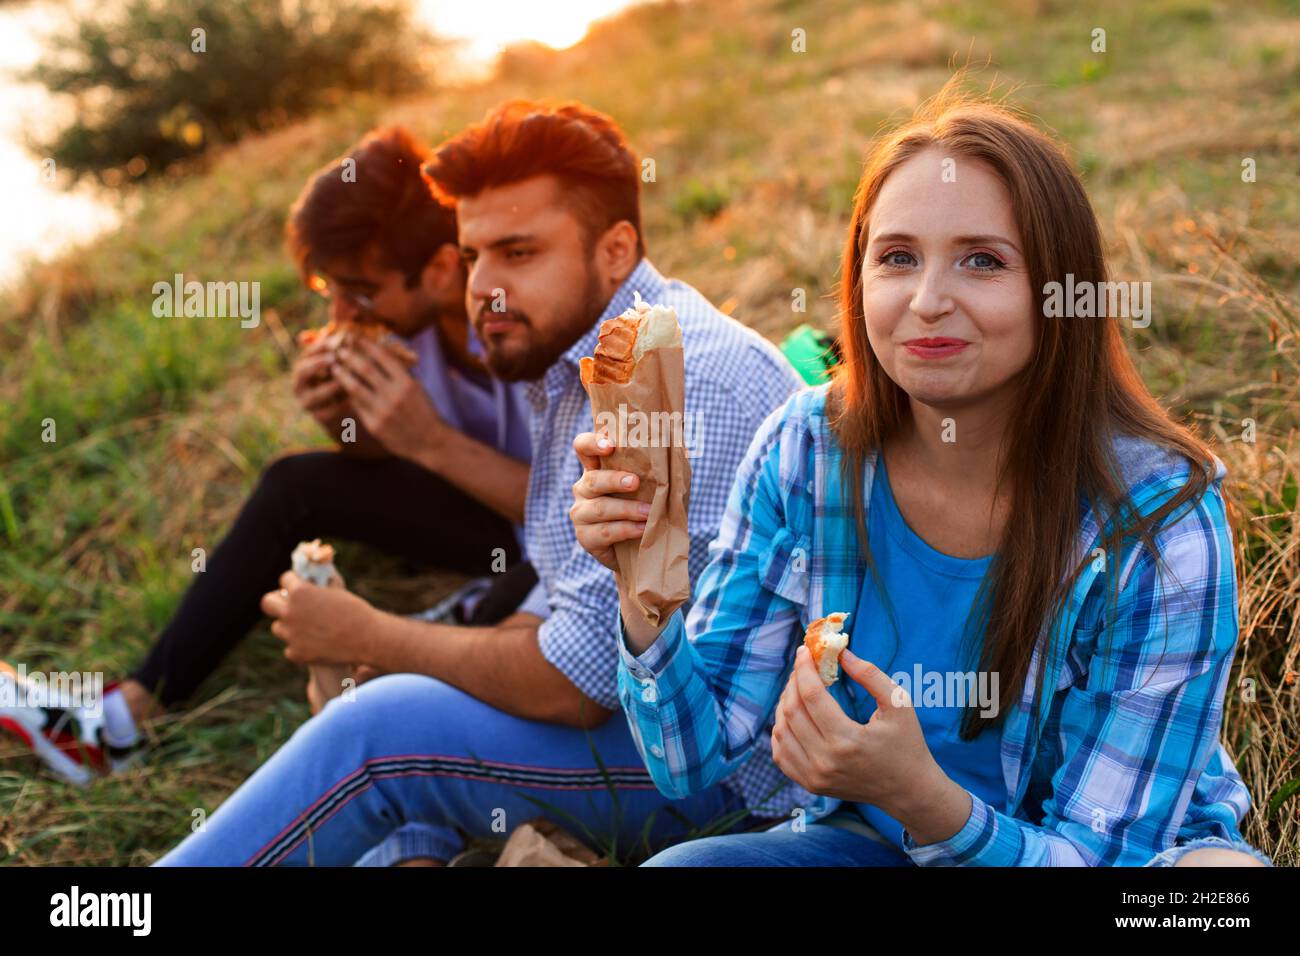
[(412, 755)]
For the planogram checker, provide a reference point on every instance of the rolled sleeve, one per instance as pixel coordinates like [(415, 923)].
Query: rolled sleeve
[(536, 603), (580, 637), (565, 639)]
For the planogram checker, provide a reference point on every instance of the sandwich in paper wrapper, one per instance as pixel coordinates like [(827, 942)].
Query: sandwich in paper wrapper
[(313, 561), (637, 375)]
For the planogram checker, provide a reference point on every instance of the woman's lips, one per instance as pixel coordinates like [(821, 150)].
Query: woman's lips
[(935, 348)]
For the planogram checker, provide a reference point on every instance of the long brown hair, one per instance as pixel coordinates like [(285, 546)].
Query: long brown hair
[(1078, 390)]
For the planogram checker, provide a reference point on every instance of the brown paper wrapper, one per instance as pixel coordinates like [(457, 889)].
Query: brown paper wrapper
[(653, 572), (542, 842)]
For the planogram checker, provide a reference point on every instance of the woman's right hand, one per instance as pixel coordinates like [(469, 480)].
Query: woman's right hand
[(600, 519)]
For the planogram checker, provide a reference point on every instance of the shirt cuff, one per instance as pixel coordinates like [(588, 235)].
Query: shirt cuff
[(536, 602), (664, 667), (578, 646), (958, 849)]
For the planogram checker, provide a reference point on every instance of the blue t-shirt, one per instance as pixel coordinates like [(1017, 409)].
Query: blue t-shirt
[(931, 594)]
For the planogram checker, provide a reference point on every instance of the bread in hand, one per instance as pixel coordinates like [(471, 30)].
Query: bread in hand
[(825, 639), (623, 339), (337, 333)]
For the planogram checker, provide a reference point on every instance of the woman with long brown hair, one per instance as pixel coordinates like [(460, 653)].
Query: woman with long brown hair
[(1035, 558)]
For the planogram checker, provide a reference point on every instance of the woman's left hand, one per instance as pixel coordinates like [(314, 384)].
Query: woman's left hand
[(884, 762)]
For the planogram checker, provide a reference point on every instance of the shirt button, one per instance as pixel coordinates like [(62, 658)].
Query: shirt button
[(809, 486), (656, 750), (648, 693)]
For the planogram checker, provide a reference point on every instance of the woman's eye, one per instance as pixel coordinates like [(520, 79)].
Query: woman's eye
[(984, 262), (896, 258)]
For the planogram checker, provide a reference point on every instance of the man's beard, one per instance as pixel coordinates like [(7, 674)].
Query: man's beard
[(528, 360)]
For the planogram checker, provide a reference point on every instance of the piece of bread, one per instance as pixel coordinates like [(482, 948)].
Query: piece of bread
[(334, 334), (613, 362), (623, 339), (314, 562), (825, 639)]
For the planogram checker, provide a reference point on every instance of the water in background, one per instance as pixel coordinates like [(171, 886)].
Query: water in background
[(38, 219)]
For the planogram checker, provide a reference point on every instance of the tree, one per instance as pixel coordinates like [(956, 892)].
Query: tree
[(156, 81)]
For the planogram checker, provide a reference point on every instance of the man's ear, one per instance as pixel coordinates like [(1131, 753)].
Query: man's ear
[(616, 253), (443, 276)]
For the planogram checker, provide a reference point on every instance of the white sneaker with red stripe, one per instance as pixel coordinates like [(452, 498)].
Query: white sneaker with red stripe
[(66, 737)]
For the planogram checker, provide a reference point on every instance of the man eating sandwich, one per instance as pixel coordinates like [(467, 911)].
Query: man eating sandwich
[(478, 729), (431, 452)]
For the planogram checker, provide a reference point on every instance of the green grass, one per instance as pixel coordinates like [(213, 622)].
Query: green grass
[(164, 424)]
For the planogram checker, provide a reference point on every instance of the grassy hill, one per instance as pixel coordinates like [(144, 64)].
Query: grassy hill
[(164, 424)]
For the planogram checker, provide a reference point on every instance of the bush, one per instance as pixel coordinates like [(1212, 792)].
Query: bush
[(700, 200), (156, 81)]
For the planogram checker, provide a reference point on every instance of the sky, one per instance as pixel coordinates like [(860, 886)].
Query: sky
[(489, 25)]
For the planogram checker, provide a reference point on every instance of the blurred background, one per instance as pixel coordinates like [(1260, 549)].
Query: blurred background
[(127, 156)]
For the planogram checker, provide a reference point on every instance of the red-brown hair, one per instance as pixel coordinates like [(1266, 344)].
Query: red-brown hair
[(520, 139), (374, 198), (1079, 389)]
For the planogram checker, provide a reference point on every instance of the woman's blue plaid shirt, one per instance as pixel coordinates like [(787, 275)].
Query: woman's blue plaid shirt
[(1128, 765)]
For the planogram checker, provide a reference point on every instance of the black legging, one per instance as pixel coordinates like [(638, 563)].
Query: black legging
[(390, 503)]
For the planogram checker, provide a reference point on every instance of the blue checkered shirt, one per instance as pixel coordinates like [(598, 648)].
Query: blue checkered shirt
[(734, 379), (1128, 764)]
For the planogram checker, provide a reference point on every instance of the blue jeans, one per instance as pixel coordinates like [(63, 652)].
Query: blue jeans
[(1168, 857), (818, 844), (824, 845), (411, 764)]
